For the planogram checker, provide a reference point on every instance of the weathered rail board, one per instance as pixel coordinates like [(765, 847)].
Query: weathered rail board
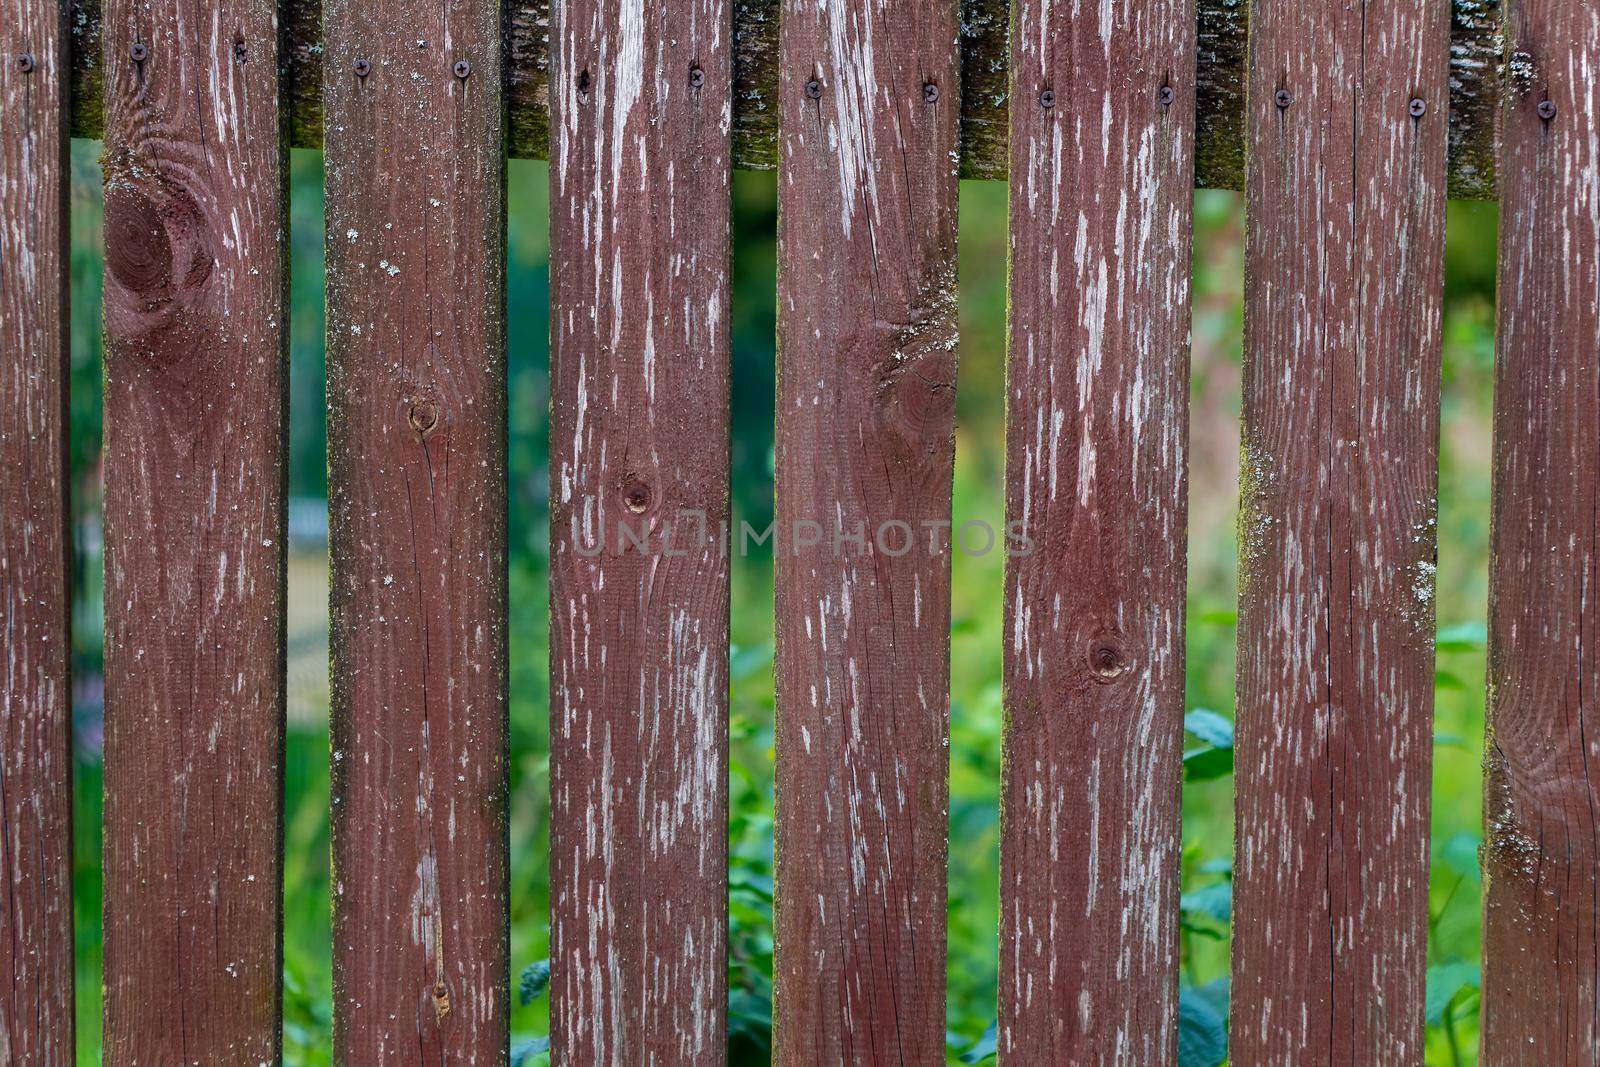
[(1344, 286), (867, 193), (1097, 426), (1475, 60), (36, 1009), (1541, 919), (195, 372), (640, 199), (415, 215)]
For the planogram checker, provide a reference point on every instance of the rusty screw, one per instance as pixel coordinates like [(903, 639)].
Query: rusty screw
[(1418, 108), (25, 62), (1047, 98), (1282, 98), (1547, 109), (814, 89), (1166, 95), (463, 69), (363, 68), (139, 52), (930, 93), (697, 77)]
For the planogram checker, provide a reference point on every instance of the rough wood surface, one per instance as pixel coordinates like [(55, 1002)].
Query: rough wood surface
[(1097, 427), (415, 242), (1218, 92), (36, 1010), (866, 395), (1541, 936), (1344, 284), (195, 414), (640, 198)]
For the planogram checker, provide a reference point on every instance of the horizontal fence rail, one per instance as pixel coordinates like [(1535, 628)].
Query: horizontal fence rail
[(1475, 62)]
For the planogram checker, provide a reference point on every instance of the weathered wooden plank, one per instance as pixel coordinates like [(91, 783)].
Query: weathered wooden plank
[(1097, 424), (194, 525), (415, 216), (1541, 936), (1345, 277), (1219, 85), (640, 197), (36, 1013), (866, 393)]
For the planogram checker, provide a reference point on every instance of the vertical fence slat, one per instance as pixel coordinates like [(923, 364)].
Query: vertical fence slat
[(639, 240), (1541, 937), (415, 216), (1344, 284), (36, 1014), (194, 531), (1097, 392), (867, 196)]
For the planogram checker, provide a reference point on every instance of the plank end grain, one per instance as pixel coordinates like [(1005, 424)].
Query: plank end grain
[(195, 410), (1541, 919), (36, 969), (640, 203), (1097, 434), (415, 239), (867, 192), (1344, 286)]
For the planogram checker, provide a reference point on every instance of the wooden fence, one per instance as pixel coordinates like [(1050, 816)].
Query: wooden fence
[(1350, 125)]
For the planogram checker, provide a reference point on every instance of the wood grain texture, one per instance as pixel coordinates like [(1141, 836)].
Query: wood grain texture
[(1475, 58), (640, 197), (1541, 917), (36, 1008), (1344, 284), (415, 215), (195, 419), (866, 395), (1097, 422)]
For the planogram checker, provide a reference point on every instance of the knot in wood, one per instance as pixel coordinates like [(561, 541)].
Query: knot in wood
[(423, 416), (1107, 660), (636, 496)]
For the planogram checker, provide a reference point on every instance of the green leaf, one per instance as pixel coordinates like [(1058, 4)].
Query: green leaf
[(1218, 617), (1446, 981), (1446, 680), (985, 1047), (1463, 637), (1202, 1030), (1214, 902), (1204, 764), (1215, 730), (746, 663), (535, 980), (1460, 853), (526, 1049)]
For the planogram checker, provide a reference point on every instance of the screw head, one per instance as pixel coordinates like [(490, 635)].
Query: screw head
[(1047, 98), (1418, 108), (240, 51), (25, 62), (814, 89), (1167, 95), (697, 77), (139, 52), (1282, 98), (463, 68), (362, 68), (584, 81), (930, 93), (1547, 109)]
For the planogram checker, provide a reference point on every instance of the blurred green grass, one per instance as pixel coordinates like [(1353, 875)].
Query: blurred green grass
[(977, 611)]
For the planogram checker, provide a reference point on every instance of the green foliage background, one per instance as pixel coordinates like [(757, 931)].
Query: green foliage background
[(976, 630)]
